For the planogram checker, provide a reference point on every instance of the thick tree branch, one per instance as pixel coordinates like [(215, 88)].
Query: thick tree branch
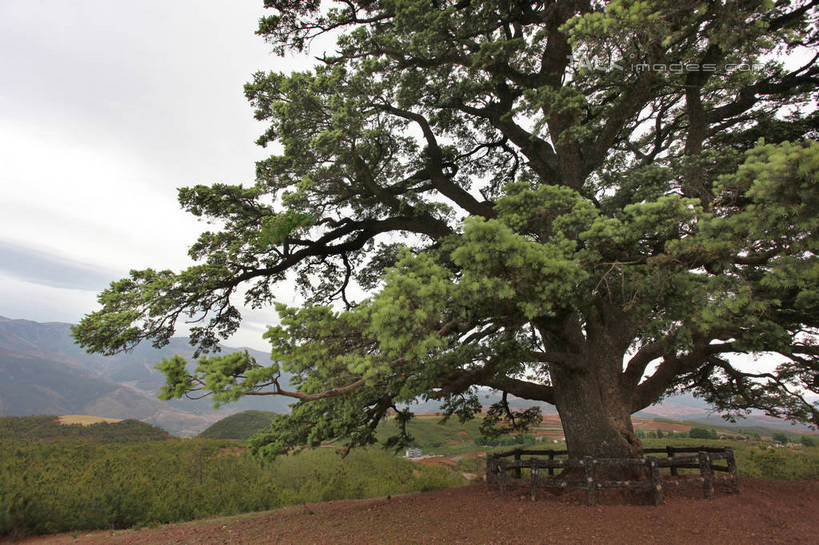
[(749, 96), (364, 232), (440, 180), (520, 388), (636, 366), (671, 367), (540, 154), (301, 396)]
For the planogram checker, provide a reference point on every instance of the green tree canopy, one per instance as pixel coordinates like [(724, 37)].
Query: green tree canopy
[(587, 203), (780, 438), (702, 433)]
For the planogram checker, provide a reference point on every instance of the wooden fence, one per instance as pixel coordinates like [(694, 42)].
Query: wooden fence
[(498, 467)]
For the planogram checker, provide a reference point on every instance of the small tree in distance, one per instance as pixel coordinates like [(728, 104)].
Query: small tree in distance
[(591, 204), (780, 438), (702, 433)]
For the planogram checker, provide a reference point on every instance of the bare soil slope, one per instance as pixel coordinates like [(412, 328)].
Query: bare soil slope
[(766, 512)]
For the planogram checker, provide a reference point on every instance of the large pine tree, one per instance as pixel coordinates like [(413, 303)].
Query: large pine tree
[(586, 203)]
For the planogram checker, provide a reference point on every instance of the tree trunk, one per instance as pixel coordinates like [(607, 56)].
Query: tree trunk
[(595, 411)]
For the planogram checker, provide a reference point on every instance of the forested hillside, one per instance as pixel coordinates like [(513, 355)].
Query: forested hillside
[(48, 428), (239, 426)]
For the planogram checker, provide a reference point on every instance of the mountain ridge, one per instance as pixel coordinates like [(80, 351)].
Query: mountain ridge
[(45, 372)]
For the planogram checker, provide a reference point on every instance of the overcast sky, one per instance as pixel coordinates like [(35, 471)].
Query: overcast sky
[(105, 109)]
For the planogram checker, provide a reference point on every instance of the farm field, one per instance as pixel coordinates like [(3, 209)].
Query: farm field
[(86, 420)]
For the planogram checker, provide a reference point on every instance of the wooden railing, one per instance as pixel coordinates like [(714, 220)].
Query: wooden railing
[(499, 465)]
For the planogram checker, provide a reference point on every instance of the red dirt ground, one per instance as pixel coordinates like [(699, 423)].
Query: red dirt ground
[(437, 460), (766, 512), (666, 426)]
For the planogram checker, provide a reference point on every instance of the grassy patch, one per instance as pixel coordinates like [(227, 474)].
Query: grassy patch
[(85, 420)]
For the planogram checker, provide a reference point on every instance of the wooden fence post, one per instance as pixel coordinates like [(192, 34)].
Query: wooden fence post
[(517, 460), (656, 485), (489, 470), (534, 479), (591, 487), (499, 476), (732, 471), (670, 450), (707, 474), (492, 470)]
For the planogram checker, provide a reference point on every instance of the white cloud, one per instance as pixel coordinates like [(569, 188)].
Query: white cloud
[(52, 304), (90, 202), (105, 110)]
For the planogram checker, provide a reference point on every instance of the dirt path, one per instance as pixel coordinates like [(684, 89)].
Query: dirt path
[(766, 512)]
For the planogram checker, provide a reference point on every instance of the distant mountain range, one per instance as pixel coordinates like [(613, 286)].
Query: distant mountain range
[(687, 407), (44, 372)]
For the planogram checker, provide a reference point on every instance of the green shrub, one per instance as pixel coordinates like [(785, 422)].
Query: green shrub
[(64, 486), (702, 433), (778, 463)]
